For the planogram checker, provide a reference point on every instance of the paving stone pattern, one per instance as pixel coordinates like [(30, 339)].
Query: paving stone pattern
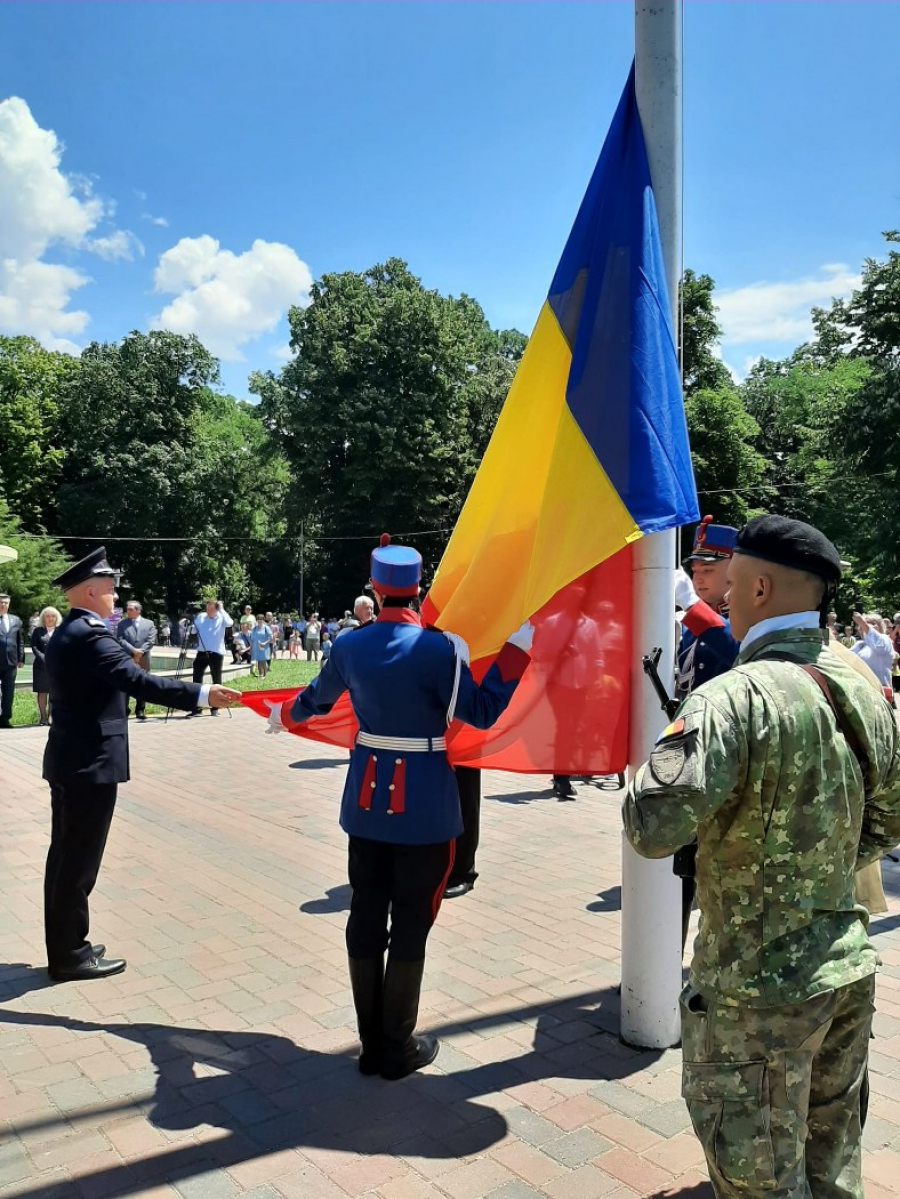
[(222, 1062)]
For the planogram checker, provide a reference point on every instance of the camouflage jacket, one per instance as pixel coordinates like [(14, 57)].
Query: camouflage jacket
[(756, 768)]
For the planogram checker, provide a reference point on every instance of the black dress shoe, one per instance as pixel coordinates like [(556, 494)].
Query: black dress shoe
[(97, 951), (456, 890), (90, 968), (562, 787)]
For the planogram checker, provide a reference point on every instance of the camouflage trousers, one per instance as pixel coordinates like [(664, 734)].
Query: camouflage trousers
[(774, 1093)]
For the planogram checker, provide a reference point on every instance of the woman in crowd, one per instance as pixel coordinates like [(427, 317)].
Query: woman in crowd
[(261, 646), (40, 684)]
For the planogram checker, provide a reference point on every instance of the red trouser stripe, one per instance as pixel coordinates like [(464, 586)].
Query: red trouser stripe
[(439, 893)]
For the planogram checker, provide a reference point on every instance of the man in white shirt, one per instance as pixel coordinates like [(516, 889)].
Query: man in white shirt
[(210, 627)]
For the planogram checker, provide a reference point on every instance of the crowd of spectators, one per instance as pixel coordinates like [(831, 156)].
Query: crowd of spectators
[(252, 639)]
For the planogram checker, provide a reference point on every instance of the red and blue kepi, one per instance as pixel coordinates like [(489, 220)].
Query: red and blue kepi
[(396, 569), (712, 542)]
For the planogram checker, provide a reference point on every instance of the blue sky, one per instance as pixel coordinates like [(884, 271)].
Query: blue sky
[(196, 165)]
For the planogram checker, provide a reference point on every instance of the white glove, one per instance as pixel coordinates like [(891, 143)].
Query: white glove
[(523, 636), (685, 595), (276, 724)]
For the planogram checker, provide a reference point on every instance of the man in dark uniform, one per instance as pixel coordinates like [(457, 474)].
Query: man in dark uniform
[(401, 803), (463, 875), (86, 757)]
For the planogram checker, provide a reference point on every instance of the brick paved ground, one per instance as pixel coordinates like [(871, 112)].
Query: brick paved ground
[(221, 1063)]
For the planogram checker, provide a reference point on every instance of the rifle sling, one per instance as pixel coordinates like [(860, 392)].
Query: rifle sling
[(842, 722)]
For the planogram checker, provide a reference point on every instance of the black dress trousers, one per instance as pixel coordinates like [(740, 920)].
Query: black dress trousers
[(82, 814), (401, 883), (468, 782)]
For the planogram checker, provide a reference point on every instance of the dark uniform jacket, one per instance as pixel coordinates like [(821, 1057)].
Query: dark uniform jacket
[(707, 648), (90, 675)]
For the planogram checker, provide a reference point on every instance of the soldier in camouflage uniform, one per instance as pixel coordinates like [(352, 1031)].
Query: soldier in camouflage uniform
[(789, 788)]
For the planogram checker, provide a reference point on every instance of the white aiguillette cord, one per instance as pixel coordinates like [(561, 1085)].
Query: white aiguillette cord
[(461, 650)]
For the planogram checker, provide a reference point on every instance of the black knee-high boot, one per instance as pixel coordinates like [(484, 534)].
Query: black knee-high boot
[(367, 981), (402, 1050)]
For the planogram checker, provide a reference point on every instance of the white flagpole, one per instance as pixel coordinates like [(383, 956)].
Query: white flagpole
[(651, 894)]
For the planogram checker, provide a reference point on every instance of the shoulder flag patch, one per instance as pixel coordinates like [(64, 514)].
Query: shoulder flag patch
[(671, 730)]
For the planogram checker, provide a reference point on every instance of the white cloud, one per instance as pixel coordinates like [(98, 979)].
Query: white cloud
[(228, 299), (118, 246), (282, 353), (34, 298), (41, 208), (155, 220), (780, 312)]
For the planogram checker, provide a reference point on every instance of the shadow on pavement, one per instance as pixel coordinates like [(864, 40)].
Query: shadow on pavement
[(335, 899), (317, 763), (269, 1094), (609, 900), (518, 797)]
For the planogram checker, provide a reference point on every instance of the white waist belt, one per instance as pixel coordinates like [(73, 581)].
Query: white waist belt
[(403, 745)]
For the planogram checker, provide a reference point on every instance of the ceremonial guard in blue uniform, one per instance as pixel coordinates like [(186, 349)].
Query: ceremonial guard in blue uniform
[(90, 674), (707, 648), (400, 805)]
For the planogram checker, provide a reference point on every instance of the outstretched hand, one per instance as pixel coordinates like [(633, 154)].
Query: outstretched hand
[(523, 636), (223, 697), (276, 724), (685, 595)]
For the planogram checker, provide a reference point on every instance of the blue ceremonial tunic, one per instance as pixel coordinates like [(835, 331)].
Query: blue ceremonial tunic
[(706, 649), (400, 677)]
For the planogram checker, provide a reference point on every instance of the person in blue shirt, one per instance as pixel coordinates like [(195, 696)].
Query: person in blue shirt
[(261, 646), (400, 805)]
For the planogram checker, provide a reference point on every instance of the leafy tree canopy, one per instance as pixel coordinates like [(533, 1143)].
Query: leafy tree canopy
[(384, 413), (32, 380), (28, 580)]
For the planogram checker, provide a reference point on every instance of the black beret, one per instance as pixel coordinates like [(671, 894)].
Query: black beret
[(790, 543), (94, 564)]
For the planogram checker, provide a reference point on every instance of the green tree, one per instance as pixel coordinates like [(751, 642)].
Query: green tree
[(155, 456), (701, 369), (383, 414), (729, 470), (28, 580), (31, 382)]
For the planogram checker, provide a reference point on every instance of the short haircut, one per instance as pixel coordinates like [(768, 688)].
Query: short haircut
[(364, 599), (133, 604), (50, 612), (4, 595)]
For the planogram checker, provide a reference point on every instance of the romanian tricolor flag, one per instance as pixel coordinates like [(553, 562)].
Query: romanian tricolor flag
[(589, 454)]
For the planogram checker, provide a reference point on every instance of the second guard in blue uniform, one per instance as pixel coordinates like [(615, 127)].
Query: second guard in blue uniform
[(706, 649), (400, 805)]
